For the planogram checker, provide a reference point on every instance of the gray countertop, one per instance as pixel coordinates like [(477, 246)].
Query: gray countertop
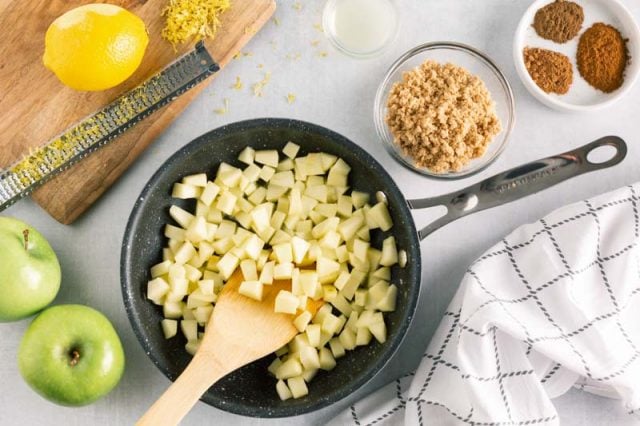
[(337, 92)]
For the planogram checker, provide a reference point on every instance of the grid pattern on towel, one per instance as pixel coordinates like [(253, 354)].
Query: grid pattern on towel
[(554, 302)]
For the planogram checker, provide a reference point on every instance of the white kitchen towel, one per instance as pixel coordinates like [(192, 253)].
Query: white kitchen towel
[(555, 304)]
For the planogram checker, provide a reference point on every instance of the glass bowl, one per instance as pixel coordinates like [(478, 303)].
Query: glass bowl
[(477, 64), (330, 29)]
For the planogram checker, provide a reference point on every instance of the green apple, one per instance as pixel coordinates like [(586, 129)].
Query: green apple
[(71, 355), (29, 270)]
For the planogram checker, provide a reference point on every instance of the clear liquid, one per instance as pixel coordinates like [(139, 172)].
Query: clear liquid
[(363, 26)]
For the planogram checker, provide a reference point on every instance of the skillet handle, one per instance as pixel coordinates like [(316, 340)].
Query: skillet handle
[(518, 182)]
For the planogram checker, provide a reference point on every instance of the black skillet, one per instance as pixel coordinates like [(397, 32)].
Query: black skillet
[(250, 391)]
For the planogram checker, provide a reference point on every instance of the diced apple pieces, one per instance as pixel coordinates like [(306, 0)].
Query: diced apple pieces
[(202, 314), (327, 269), (174, 233), (283, 179), (197, 298), (309, 357), (301, 322), (181, 216), (356, 278), (226, 202), (227, 265), (298, 387), (359, 199), (247, 155), (266, 275), (283, 390), (318, 236), (286, 302), (169, 328), (157, 289), (379, 331), (283, 271), (184, 253), (266, 173), (380, 217), (387, 303), (327, 360), (291, 150), (228, 175), (184, 192), (290, 368), (342, 304), (261, 216), (348, 339), (275, 364), (283, 253), (300, 248), (172, 310), (199, 179), (363, 336), (313, 332), (349, 227), (331, 324), (337, 349), (267, 157), (249, 270), (192, 346), (389, 252), (309, 374), (319, 193), (189, 329), (252, 289), (197, 230), (160, 269)]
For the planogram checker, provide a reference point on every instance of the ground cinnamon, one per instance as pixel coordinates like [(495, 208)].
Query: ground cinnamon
[(550, 70), (559, 21), (602, 57)]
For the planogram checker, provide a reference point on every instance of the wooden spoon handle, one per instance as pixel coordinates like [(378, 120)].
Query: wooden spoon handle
[(175, 402)]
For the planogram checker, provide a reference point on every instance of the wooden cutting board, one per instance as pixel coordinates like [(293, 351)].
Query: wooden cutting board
[(36, 107)]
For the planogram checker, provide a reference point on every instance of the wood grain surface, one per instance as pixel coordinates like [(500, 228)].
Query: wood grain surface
[(36, 107)]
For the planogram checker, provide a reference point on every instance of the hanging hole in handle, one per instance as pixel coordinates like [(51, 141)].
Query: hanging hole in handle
[(602, 154)]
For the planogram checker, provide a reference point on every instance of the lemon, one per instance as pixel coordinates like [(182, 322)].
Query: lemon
[(95, 47)]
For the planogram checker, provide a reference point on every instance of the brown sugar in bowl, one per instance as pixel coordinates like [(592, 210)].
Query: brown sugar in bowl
[(479, 65)]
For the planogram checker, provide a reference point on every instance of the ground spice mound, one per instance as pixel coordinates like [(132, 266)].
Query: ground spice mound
[(552, 71), (603, 57), (559, 21), (441, 116)]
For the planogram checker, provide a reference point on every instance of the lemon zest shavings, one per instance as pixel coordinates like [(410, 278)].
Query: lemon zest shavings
[(225, 109), (238, 84), (291, 98), (192, 19), (259, 86)]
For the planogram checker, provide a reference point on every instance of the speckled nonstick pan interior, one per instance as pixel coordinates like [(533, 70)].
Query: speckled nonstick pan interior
[(250, 391)]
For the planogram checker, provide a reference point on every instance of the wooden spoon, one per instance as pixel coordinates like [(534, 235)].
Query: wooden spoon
[(240, 331)]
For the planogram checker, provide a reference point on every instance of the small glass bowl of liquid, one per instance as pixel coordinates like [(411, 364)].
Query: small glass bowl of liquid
[(360, 28)]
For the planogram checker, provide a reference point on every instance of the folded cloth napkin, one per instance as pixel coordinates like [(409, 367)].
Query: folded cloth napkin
[(553, 305)]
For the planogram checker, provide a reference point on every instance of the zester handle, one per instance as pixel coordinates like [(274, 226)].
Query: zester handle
[(519, 182)]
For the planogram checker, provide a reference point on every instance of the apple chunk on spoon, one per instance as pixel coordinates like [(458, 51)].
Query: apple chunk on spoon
[(241, 330)]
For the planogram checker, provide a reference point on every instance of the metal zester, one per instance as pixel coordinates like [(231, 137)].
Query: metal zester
[(105, 125)]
